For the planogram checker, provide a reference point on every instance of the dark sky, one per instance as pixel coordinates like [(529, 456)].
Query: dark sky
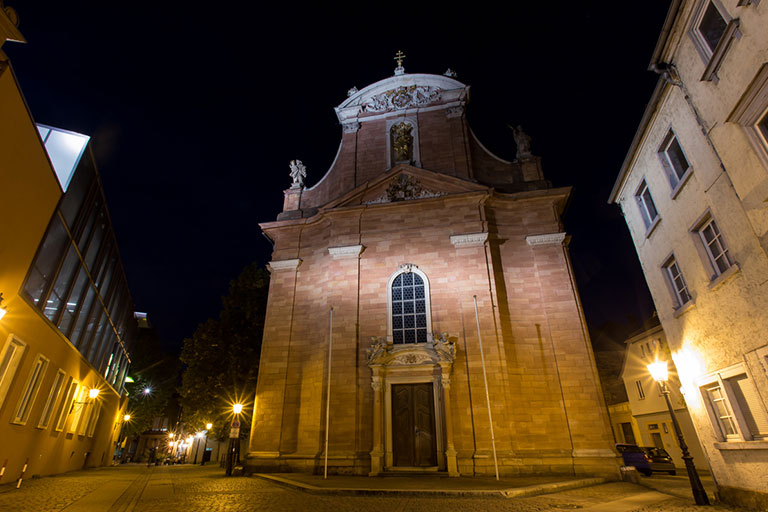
[(195, 113)]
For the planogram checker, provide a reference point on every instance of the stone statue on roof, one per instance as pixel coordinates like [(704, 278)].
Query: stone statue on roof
[(522, 141), (298, 173)]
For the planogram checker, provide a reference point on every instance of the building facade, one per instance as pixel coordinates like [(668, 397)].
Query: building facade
[(380, 262), (693, 191), (64, 335), (646, 402)]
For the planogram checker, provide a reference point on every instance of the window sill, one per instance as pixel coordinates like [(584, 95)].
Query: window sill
[(683, 180), (715, 61), (742, 445), (653, 225), (732, 270), (681, 310)]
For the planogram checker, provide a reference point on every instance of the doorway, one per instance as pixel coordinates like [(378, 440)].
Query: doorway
[(413, 425)]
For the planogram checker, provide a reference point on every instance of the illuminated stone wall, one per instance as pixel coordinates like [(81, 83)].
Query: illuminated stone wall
[(548, 412)]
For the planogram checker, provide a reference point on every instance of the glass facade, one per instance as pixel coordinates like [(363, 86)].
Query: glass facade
[(77, 280)]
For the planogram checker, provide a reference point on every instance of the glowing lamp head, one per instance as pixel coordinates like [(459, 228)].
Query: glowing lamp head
[(237, 408), (2, 313), (658, 371), (208, 426), (127, 417), (93, 393), (189, 440), (171, 434), (199, 435), (147, 390)]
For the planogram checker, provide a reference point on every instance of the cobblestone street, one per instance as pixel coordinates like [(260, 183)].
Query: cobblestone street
[(191, 488)]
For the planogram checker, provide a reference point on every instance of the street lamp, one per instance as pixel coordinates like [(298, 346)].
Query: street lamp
[(118, 450), (198, 435), (658, 370), (234, 438), (205, 447)]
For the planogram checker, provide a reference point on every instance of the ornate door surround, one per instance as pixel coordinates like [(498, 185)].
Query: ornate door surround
[(411, 363)]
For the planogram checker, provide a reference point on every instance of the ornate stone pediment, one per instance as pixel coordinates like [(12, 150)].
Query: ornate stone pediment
[(403, 97), (383, 352), (405, 188)]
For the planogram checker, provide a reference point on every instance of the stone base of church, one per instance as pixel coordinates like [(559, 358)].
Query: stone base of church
[(604, 464), (352, 464)]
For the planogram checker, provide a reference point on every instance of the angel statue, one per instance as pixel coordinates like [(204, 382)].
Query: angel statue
[(298, 173)]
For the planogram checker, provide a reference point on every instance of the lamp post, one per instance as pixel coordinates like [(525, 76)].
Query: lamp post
[(198, 435), (205, 447), (118, 451), (659, 373), (234, 438)]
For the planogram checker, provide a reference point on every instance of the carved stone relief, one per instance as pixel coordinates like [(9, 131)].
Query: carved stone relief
[(403, 97)]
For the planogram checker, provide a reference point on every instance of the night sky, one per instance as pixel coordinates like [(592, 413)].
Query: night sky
[(195, 112)]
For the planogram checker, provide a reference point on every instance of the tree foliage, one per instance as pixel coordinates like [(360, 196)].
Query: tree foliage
[(222, 356)]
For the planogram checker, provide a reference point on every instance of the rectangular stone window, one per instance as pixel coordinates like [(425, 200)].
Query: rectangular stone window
[(751, 113), (53, 396), (714, 246), (640, 392), (10, 357), (27, 398), (713, 31), (647, 206), (712, 26), (734, 406), (676, 281), (674, 161)]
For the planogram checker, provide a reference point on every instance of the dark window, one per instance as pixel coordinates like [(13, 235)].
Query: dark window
[(762, 126), (674, 159), (60, 290), (712, 26), (47, 261)]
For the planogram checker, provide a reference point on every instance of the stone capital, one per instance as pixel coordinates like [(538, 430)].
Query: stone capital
[(469, 240), (280, 265), (348, 251), (546, 239)]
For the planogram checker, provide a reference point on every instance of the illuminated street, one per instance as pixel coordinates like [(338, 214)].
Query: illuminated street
[(190, 488)]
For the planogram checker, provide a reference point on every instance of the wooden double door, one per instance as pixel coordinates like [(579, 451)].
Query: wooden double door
[(414, 441)]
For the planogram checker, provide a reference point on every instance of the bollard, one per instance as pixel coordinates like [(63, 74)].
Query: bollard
[(2, 470), (21, 477)]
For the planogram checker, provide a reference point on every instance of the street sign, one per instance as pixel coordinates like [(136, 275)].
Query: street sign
[(234, 433)]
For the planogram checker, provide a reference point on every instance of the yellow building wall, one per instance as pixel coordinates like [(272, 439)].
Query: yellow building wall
[(29, 193)]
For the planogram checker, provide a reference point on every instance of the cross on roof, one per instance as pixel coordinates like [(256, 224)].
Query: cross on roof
[(399, 56)]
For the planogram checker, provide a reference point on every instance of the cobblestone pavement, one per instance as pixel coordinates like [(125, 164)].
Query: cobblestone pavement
[(191, 488)]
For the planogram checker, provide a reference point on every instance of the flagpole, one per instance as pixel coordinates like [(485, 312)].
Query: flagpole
[(328, 396), (487, 398)]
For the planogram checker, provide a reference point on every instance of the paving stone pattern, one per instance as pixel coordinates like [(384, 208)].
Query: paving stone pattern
[(190, 488)]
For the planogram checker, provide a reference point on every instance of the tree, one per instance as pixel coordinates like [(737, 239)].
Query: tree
[(222, 356)]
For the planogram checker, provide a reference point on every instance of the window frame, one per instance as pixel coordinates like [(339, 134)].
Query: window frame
[(713, 57), (751, 110), (705, 221), (7, 376), (405, 269), (645, 211), (66, 407), (722, 379), (640, 390), (676, 181), (30, 390), (666, 269), (57, 386)]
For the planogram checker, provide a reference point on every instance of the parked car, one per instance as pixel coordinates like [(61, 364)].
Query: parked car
[(646, 459)]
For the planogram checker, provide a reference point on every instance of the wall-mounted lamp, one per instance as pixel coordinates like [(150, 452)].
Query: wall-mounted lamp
[(93, 393), (3, 311)]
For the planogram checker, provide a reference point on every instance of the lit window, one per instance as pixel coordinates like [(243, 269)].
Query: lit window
[(409, 306), (715, 247), (675, 277), (734, 405), (9, 363), (30, 390), (646, 204), (674, 161)]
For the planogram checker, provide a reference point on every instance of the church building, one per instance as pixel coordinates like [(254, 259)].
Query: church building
[(438, 276)]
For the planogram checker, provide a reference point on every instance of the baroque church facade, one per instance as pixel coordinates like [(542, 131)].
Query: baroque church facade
[(438, 276)]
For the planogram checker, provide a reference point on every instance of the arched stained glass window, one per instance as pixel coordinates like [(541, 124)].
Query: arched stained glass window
[(409, 309)]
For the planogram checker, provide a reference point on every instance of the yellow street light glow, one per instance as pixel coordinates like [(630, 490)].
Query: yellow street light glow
[(190, 439), (2, 313), (659, 371), (199, 435), (127, 417), (171, 434), (93, 393), (237, 408), (208, 426)]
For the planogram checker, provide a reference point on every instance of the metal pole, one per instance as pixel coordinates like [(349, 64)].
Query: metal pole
[(197, 449), (205, 449), (699, 493), (487, 397), (328, 398)]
